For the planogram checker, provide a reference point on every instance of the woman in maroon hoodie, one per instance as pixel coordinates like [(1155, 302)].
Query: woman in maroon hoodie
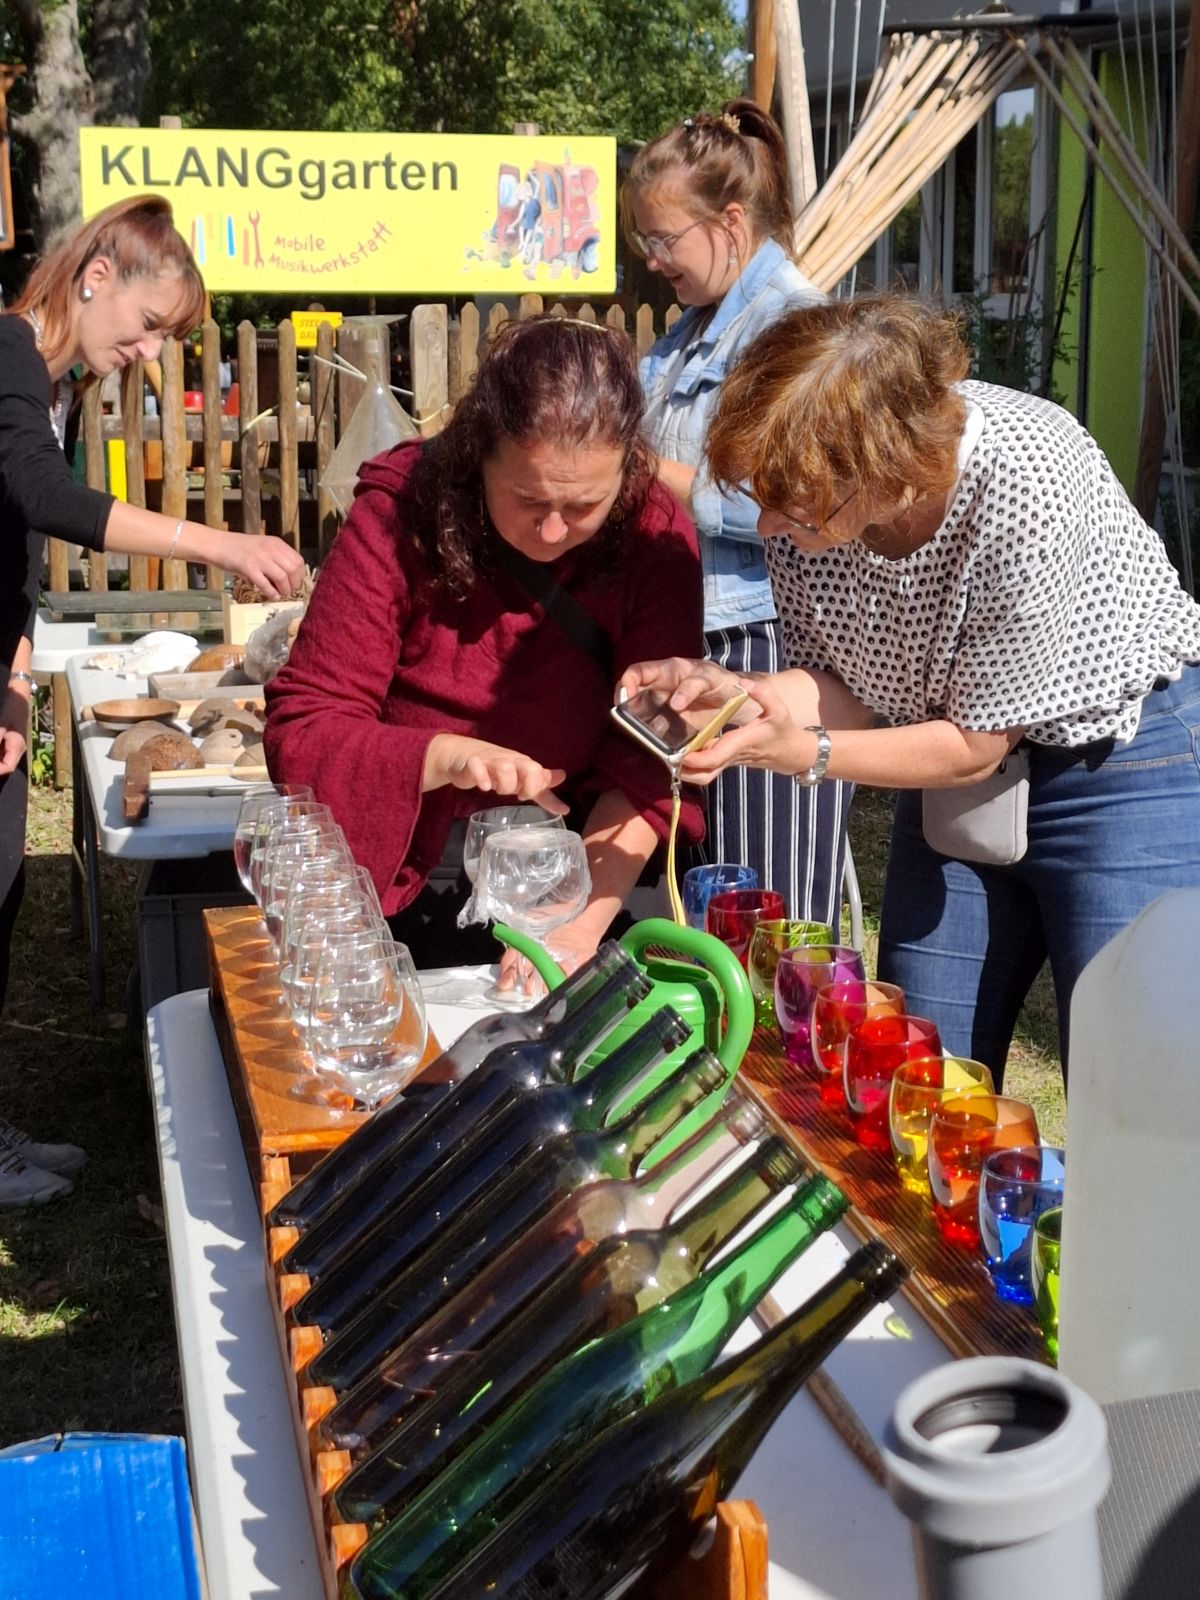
[(428, 675)]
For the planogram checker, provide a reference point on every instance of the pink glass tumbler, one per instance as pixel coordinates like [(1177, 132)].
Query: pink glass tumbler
[(801, 973)]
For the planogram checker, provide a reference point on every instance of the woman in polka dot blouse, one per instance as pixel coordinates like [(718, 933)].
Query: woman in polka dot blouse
[(959, 572)]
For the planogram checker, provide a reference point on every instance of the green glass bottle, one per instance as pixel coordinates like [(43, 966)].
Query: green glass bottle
[(381, 1134), (626, 1508), (578, 1225), (478, 1164), (613, 1287), (498, 1081), (465, 1241)]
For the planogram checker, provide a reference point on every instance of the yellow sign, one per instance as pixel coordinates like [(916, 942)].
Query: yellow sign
[(399, 213), (306, 324)]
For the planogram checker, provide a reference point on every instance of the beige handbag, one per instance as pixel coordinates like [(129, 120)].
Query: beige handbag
[(982, 822)]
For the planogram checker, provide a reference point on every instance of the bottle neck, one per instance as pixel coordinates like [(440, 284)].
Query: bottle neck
[(573, 1040), (632, 1138), (599, 1089), (563, 1002), (717, 1217), (676, 1178)]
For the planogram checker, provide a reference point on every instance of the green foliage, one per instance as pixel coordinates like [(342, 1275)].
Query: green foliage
[(41, 742), (1018, 351), (459, 66)]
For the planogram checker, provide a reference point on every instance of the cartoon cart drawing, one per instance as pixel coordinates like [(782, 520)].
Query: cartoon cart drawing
[(568, 229)]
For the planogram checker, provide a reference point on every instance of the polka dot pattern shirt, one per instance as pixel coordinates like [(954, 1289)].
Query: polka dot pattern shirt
[(1043, 601)]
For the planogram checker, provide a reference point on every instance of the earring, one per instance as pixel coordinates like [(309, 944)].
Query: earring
[(85, 294)]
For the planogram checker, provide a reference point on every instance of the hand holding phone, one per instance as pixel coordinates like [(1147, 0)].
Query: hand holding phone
[(648, 717)]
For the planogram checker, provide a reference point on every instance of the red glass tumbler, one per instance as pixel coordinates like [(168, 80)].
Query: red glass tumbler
[(733, 915), (962, 1133), (838, 1008), (875, 1048)]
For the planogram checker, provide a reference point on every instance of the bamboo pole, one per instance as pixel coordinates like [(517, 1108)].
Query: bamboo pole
[(760, 28), (793, 103)]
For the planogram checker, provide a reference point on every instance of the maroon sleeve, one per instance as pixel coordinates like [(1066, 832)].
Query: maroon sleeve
[(326, 721), (664, 610)]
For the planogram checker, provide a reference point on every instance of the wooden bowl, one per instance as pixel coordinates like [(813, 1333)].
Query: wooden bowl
[(123, 713)]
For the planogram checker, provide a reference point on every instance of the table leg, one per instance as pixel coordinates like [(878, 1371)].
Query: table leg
[(85, 872)]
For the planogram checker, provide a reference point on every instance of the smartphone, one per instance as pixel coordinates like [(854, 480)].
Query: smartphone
[(651, 721)]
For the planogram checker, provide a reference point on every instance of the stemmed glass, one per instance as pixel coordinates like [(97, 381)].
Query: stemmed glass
[(288, 815), (366, 1026), (837, 1008), (768, 939), (535, 879), (339, 900), (500, 819), (254, 803), (1044, 1270)]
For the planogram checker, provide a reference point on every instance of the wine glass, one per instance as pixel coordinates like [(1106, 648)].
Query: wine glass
[(733, 915), (499, 819), (366, 1026), (1044, 1270), (337, 900), (292, 854), (295, 816), (534, 878), (837, 1008), (254, 803)]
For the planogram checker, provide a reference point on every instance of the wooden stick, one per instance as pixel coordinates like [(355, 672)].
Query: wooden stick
[(174, 445), (289, 458), (214, 492)]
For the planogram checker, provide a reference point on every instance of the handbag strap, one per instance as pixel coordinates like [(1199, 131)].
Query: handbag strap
[(578, 624)]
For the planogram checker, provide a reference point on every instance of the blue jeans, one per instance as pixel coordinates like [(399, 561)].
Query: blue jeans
[(1111, 827)]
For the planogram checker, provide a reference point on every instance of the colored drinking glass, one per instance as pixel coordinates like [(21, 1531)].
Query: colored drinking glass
[(1044, 1259), (770, 937), (733, 915), (837, 1008), (875, 1048), (1016, 1186), (918, 1088), (799, 977), (963, 1132), (701, 883)]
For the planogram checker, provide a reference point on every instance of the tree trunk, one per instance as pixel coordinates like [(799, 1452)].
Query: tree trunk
[(120, 60), (62, 104)]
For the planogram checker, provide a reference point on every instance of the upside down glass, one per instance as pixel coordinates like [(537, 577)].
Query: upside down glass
[(837, 1008), (799, 977), (366, 1021), (1015, 1188), (1044, 1266), (733, 915), (771, 936), (918, 1088), (875, 1048), (701, 883), (963, 1132)]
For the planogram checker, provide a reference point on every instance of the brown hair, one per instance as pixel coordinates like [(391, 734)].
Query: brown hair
[(551, 379), (716, 160), (849, 395), (138, 236)]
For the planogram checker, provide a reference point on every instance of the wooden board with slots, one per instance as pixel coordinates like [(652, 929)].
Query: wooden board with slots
[(283, 1137)]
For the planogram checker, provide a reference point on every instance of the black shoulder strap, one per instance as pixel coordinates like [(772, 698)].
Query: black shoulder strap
[(578, 624)]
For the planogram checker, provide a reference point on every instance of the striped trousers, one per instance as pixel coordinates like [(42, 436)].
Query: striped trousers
[(794, 836)]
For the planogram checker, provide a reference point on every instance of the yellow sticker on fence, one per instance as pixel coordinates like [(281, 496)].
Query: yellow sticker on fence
[(403, 213), (306, 324)]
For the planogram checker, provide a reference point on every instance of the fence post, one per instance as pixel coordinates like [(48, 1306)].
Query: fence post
[(497, 317), (322, 407), (174, 444), (135, 464), (97, 474), (428, 333), (468, 346), (289, 463), (529, 305), (214, 491), (644, 336), (247, 413)]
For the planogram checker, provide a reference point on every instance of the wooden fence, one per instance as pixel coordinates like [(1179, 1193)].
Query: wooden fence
[(257, 469)]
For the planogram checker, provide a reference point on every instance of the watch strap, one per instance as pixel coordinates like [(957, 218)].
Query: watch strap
[(816, 773)]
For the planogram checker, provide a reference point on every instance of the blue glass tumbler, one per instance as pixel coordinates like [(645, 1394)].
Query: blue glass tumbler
[(701, 883), (1015, 1188)]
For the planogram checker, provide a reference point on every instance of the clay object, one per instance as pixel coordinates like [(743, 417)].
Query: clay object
[(168, 752), (124, 713), (218, 658), (133, 738), (222, 748), (254, 755), (216, 713), (267, 647)]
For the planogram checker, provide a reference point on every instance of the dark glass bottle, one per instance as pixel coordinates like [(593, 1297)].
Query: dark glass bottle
[(627, 1507), (616, 1284), (571, 1231), (480, 1161), (585, 1393), (334, 1174), (497, 1082), (500, 1213)]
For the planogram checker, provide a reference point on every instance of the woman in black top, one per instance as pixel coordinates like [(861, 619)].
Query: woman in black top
[(105, 297)]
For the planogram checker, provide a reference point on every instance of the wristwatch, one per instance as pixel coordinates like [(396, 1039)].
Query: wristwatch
[(816, 772), (21, 677)]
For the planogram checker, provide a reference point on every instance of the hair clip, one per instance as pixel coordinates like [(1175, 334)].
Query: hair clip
[(689, 123), (733, 123)]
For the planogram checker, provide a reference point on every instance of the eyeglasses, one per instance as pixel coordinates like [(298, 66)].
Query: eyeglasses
[(817, 528), (660, 245)]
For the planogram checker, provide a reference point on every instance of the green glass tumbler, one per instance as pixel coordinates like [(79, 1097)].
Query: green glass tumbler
[(766, 942), (1044, 1257)]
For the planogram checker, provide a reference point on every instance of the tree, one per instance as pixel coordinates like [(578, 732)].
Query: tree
[(62, 93)]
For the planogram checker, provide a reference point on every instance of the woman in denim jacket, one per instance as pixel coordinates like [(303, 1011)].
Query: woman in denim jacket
[(707, 205)]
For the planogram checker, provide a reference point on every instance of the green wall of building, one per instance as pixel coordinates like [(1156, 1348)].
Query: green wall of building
[(1116, 346)]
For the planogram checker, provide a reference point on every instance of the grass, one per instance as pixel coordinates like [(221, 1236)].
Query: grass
[(87, 1335)]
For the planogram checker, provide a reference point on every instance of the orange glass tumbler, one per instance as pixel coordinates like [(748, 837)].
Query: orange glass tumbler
[(918, 1088), (963, 1130)]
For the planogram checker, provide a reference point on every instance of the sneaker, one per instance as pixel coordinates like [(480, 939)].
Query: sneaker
[(64, 1159), (24, 1185)]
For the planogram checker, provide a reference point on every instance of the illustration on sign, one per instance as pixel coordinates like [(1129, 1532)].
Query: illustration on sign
[(398, 213)]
